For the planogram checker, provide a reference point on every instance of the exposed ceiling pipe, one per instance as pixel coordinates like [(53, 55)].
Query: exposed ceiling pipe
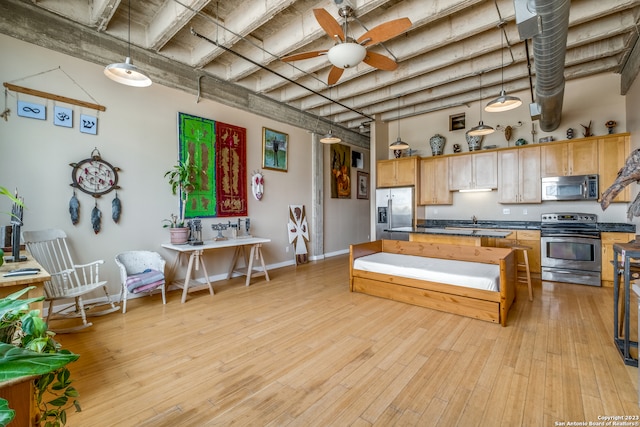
[(551, 17)]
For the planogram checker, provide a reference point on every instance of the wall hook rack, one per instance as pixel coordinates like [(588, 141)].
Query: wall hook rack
[(47, 95)]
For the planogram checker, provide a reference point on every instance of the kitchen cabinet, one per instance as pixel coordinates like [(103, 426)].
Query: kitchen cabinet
[(608, 240), (434, 181), (519, 175), (530, 238), (569, 158), (612, 155), (399, 172), (473, 171)]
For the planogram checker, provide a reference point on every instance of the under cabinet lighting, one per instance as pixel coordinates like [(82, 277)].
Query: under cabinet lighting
[(475, 190)]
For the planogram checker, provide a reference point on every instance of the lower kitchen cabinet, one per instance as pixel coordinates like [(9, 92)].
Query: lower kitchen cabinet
[(529, 238), (608, 240)]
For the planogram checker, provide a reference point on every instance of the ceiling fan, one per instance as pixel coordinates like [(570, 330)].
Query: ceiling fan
[(349, 52)]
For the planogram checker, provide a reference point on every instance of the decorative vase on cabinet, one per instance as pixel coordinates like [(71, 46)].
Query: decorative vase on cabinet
[(437, 144), (474, 141)]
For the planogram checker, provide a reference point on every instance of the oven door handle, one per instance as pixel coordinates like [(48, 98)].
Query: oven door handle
[(556, 270), (582, 236)]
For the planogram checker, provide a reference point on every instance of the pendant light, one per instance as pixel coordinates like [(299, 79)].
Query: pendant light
[(503, 102), (329, 137), (125, 72), (398, 144), (481, 129)]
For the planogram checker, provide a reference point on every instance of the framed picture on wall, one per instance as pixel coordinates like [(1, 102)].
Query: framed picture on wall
[(275, 146), (363, 185), (457, 122), (357, 159)]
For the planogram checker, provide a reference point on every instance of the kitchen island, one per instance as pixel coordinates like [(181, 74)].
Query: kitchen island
[(454, 236)]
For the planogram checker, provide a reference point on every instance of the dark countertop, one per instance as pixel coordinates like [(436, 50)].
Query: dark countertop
[(615, 227), (452, 232)]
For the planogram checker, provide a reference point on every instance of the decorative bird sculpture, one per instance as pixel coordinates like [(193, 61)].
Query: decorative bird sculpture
[(629, 173)]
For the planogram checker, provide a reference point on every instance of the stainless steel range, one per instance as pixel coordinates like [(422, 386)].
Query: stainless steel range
[(570, 248)]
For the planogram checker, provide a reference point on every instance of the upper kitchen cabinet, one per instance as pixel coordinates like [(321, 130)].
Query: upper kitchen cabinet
[(612, 155), (397, 172), (473, 171), (569, 158), (434, 181), (519, 175)]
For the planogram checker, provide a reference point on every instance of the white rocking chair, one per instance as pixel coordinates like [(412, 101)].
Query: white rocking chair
[(68, 280)]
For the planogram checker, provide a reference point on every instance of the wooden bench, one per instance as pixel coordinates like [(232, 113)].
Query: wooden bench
[(492, 306)]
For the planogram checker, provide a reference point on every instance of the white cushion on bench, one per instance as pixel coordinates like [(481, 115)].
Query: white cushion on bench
[(460, 273)]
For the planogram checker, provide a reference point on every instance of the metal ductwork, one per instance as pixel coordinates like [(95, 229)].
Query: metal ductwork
[(547, 23)]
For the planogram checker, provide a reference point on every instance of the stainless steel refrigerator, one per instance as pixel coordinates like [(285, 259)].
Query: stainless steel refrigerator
[(394, 208)]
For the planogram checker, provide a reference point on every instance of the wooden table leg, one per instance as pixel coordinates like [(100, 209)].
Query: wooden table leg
[(256, 254), (206, 276), (252, 253), (187, 279), (234, 261), (264, 267)]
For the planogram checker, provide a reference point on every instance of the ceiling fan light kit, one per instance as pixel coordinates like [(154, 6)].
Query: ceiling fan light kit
[(346, 55), (125, 72)]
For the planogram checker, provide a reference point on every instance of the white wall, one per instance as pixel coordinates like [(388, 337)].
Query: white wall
[(138, 133), (595, 99)]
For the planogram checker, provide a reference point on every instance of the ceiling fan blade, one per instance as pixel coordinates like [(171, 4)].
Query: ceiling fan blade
[(304, 55), (380, 62), (384, 32), (334, 75), (329, 24)]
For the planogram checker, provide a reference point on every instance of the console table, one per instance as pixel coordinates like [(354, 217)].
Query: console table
[(195, 260), (627, 252)]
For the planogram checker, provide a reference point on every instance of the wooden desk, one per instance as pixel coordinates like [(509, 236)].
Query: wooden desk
[(195, 259), (9, 285)]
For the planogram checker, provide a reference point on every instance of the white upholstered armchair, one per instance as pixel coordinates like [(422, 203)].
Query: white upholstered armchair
[(140, 271)]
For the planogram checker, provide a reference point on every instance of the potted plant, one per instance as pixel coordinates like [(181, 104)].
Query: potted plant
[(183, 179), (32, 366)]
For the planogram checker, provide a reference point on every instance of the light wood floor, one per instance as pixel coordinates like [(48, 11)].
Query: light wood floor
[(302, 350)]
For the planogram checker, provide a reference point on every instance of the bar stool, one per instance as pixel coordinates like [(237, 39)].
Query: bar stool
[(527, 278)]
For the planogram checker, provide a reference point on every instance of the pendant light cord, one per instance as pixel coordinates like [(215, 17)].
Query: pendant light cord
[(129, 32)]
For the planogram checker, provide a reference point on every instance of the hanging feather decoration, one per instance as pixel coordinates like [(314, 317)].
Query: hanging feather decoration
[(95, 218), (74, 209), (116, 208)]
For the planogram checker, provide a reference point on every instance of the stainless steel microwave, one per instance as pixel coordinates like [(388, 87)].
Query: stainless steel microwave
[(578, 187)]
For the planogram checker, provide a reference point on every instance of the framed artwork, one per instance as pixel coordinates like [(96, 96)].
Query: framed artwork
[(457, 121), (31, 110), (63, 116), (197, 138), (275, 146), (88, 124), (231, 174), (340, 171), (357, 159), (363, 185)]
